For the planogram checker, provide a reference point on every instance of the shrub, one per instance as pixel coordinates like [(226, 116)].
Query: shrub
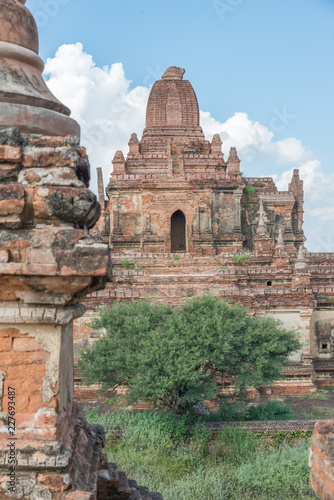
[(172, 357), (249, 189), (238, 411), (126, 264), (241, 259), (274, 410)]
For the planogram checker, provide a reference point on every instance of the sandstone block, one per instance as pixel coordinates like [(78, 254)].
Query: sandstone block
[(49, 157), (12, 199), (4, 255), (40, 262), (52, 176), (53, 482), (75, 205), (41, 141), (10, 136), (11, 222), (8, 172), (10, 154)]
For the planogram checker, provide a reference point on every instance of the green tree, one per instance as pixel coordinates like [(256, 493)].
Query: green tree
[(172, 356)]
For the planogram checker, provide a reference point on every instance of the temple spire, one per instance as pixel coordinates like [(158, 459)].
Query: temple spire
[(233, 162)]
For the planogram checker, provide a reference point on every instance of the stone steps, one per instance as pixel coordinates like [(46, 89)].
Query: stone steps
[(115, 485)]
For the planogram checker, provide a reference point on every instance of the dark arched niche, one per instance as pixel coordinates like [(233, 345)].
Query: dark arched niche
[(178, 232)]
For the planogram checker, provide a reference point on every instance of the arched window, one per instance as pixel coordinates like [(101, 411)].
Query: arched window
[(178, 232)]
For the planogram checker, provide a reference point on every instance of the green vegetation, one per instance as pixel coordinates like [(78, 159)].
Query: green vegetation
[(241, 259), (176, 257), (245, 204), (316, 396), (249, 189), (172, 356), (160, 451), (315, 413), (126, 264), (238, 411)]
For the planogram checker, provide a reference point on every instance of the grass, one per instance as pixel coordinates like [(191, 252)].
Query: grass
[(273, 410), (161, 452), (316, 396), (241, 259), (126, 264), (316, 412)]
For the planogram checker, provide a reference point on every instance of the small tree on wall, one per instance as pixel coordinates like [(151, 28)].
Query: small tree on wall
[(172, 356)]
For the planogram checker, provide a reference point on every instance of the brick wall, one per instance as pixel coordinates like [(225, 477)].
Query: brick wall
[(322, 460)]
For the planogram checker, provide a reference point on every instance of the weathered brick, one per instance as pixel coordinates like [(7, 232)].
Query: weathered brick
[(26, 345), (10, 153), (5, 344)]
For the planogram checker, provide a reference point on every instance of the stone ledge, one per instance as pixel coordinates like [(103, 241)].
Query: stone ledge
[(13, 314)]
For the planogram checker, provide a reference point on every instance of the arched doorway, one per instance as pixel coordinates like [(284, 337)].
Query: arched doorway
[(178, 232)]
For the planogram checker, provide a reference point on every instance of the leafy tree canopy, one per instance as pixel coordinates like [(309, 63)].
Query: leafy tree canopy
[(172, 356)]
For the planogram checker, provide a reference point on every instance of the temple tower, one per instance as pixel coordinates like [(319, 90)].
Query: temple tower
[(173, 170)]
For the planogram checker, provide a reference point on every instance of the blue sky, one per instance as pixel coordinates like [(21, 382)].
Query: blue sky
[(262, 58)]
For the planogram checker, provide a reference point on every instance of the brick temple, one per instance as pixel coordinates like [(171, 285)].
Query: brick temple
[(182, 220)]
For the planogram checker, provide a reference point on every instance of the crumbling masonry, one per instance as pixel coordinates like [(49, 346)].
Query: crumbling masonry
[(48, 263)]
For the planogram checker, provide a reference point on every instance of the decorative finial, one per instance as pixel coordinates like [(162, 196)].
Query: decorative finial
[(134, 145), (173, 73), (216, 144), (233, 162), (280, 240), (261, 229), (119, 157), (300, 263)]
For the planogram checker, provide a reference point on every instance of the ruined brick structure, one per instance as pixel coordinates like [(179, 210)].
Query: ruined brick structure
[(191, 223), (322, 460), (48, 263)]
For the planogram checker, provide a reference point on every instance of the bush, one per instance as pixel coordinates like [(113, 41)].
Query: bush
[(236, 412), (249, 189), (241, 259), (172, 357), (231, 412), (274, 410)]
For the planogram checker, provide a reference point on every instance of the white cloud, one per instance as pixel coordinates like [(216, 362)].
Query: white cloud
[(254, 140), (100, 100), (109, 110)]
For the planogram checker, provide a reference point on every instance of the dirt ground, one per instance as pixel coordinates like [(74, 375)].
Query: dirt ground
[(315, 406)]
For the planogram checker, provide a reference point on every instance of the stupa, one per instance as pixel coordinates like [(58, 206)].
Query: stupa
[(25, 100)]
